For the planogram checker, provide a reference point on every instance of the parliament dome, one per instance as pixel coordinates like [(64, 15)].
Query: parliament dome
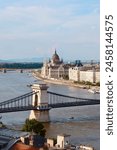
[(55, 58)]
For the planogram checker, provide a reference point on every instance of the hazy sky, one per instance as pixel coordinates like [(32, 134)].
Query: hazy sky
[(34, 28)]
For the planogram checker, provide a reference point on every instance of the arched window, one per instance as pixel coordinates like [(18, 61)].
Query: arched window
[(36, 100)]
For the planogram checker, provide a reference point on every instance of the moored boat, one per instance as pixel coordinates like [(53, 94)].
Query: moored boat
[(94, 91)]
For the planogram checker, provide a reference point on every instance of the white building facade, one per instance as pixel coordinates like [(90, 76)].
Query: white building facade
[(84, 74), (55, 68)]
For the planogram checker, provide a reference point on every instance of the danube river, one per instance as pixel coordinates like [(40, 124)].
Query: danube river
[(82, 123)]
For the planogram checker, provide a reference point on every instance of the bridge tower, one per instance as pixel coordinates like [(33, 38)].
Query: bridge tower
[(4, 70), (40, 100)]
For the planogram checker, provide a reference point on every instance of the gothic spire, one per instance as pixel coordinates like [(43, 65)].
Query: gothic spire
[(55, 51)]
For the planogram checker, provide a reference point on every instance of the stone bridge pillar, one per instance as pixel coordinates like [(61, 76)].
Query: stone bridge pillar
[(40, 100)]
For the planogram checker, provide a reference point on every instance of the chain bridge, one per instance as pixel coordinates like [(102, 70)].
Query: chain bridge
[(42, 100), (25, 102)]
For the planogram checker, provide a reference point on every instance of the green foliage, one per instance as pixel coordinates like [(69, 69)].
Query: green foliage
[(76, 82), (82, 82), (87, 83), (21, 65), (35, 126), (98, 83)]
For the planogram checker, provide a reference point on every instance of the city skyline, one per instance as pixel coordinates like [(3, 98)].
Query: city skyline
[(34, 29)]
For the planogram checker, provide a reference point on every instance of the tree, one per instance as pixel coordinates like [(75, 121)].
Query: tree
[(34, 126)]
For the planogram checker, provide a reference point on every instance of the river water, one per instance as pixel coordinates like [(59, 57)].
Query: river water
[(82, 123)]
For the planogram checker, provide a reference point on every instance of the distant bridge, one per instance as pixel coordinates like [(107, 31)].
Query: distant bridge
[(25, 102), (5, 70)]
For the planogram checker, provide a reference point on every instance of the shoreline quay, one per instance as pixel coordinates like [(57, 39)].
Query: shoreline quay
[(64, 82)]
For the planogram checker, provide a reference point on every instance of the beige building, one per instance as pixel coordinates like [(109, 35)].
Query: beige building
[(74, 73), (85, 73), (55, 68), (63, 140)]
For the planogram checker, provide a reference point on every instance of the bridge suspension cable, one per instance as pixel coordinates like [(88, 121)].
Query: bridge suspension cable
[(19, 103), (59, 100)]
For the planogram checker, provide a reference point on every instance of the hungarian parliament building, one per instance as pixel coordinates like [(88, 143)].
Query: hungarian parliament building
[(55, 68)]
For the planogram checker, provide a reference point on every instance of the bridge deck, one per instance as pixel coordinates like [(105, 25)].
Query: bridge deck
[(71, 104), (24, 102)]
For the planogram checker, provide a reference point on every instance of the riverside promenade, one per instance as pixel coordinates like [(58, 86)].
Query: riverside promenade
[(38, 76)]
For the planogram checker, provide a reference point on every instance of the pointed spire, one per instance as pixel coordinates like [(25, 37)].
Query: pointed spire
[(55, 51)]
